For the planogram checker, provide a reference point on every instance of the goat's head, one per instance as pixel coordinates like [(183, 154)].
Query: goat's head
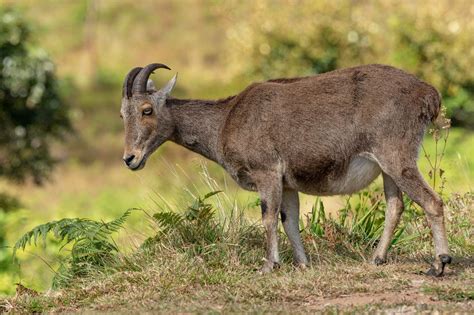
[(148, 122)]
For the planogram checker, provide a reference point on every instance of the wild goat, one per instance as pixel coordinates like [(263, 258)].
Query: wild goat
[(327, 134)]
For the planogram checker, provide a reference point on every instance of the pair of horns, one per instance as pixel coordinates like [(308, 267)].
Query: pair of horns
[(136, 80)]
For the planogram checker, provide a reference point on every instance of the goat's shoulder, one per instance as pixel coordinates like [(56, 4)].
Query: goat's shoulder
[(254, 95)]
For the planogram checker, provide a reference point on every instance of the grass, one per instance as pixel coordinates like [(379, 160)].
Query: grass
[(172, 282), (455, 292), (203, 257)]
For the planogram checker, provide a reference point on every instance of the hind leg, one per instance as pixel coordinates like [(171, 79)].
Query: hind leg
[(408, 178), (393, 197)]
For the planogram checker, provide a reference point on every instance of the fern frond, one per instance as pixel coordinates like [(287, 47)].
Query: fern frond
[(168, 220), (41, 231), (89, 237)]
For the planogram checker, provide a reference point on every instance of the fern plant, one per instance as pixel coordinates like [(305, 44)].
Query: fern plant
[(92, 244), (199, 232), (196, 225)]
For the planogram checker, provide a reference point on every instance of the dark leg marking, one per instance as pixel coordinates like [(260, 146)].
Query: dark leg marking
[(263, 204), (283, 216), (379, 261)]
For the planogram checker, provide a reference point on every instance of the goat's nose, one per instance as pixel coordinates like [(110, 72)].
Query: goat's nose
[(128, 159)]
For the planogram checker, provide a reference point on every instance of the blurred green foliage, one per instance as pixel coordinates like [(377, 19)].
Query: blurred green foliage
[(434, 42), (8, 204), (219, 47), (430, 56), (31, 111)]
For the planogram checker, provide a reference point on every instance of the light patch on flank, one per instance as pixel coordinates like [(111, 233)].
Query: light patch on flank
[(361, 172)]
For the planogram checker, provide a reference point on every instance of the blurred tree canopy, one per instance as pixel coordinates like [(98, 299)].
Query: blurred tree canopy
[(431, 40), (220, 46), (31, 111)]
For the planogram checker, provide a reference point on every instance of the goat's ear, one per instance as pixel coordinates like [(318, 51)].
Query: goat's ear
[(169, 86), (150, 86)]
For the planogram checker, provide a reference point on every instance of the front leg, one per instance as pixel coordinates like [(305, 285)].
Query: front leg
[(290, 211), (270, 189)]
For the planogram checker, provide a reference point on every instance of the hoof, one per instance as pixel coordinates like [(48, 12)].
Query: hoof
[(435, 271), (268, 267), (437, 268), (301, 266), (379, 261)]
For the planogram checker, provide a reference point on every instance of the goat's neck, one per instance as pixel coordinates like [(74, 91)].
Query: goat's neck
[(198, 124)]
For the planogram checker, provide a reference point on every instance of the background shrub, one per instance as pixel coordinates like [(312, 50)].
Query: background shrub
[(31, 110)]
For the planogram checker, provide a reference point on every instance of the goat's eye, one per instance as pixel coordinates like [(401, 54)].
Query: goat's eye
[(147, 111)]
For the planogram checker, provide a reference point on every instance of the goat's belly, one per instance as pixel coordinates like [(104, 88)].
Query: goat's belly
[(360, 172)]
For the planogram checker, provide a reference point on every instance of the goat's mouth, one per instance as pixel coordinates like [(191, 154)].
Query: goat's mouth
[(139, 165)]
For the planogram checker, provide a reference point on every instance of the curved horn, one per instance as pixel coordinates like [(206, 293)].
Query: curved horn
[(139, 85), (127, 83)]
